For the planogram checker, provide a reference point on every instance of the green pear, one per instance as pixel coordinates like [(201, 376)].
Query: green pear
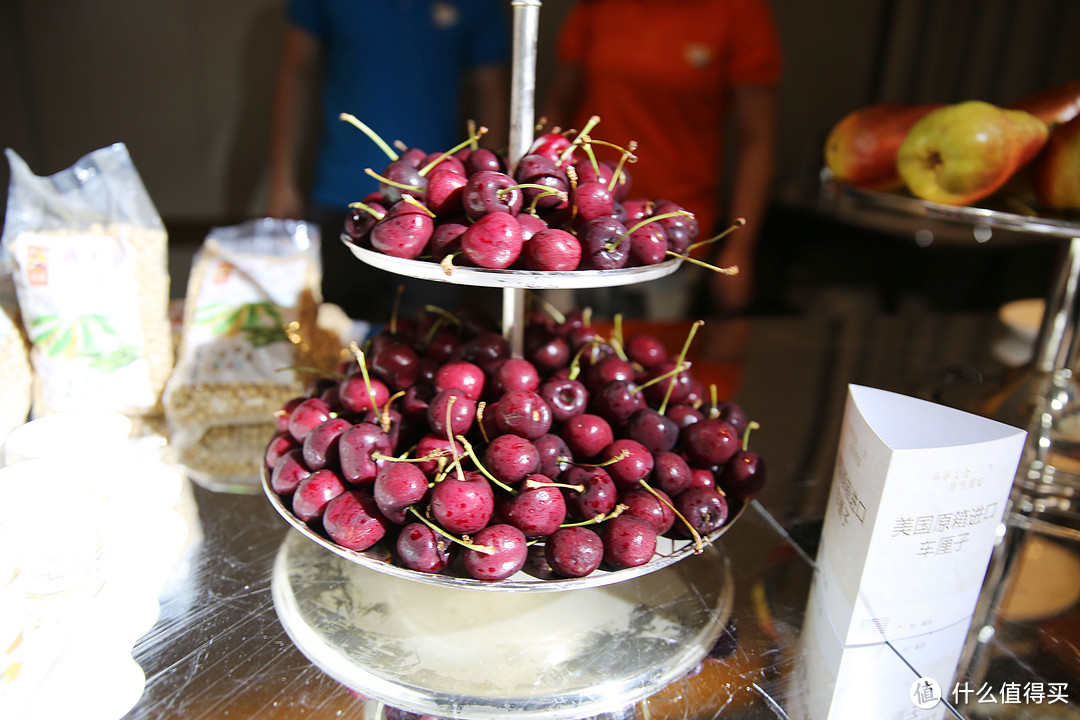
[(964, 152)]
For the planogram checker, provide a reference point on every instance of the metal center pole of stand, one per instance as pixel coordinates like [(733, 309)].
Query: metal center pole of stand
[(1058, 331), (526, 16)]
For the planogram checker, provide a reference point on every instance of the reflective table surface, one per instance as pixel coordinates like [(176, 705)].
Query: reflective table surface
[(224, 648)]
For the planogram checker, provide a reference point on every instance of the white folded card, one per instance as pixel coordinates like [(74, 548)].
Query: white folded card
[(918, 493)]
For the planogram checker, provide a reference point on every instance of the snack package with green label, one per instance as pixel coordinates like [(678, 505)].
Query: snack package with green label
[(249, 338), (89, 258)]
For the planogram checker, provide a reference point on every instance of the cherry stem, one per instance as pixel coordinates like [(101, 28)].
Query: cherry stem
[(738, 223), (679, 367), (752, 425), (646, 221), (730, 270), (480, 466), (413, 201), (586, 145), (384, 415), (470, 126), (533, 484), (623, 454), (353, 120), (617, 338), (355, 349), (699, 545), (481, 407), (392, 183), (627, 156), (396, 307), (714, 411), (450, 436), (432, 456), (552, 311), (469, 142), (447, 264), (486, 549), (579, 139), (681, 360), (443, 313), (597, 519), (368, 209)]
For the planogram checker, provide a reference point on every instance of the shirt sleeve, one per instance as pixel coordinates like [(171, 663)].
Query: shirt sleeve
[(489, 33), (756, 57), (306, 15), (573, 34)]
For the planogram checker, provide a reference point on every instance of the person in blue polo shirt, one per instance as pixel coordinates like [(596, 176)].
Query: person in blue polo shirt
[(413, 71)]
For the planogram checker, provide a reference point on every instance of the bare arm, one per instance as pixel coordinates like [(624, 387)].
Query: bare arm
[(291, 102), (754, 112)]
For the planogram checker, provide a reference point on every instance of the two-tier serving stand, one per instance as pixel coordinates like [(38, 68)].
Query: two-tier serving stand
[(528, 646)]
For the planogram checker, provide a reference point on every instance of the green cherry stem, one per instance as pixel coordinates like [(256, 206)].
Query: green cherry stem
[(623, 454), (681, 360), (699, 545), (646, 221), (616, 338), (353, 120), (597, 519), (552, 311), (627, 156), (463, 541), (738, 223), (469, 142), (480, 466), (392, 183), (579, 139), (355, 349), (752, 425), (730, 270), (378, 215)]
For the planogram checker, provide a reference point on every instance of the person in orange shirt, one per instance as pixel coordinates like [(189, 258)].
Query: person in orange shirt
[(668, 75)]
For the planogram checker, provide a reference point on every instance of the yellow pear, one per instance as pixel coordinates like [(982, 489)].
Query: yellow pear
[(964, 152)]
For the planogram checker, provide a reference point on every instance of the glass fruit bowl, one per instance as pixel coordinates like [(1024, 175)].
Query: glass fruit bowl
[(535, 576)]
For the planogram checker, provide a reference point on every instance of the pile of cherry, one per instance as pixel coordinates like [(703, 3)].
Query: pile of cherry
[(558, 209), (448, 452)]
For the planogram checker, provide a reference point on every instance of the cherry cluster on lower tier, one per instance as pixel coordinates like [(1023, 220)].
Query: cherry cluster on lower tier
[(438, 443), (557, 210)]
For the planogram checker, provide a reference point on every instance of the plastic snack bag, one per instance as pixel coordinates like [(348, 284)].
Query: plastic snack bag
[(90, 263), (250, 321), (16, 375)]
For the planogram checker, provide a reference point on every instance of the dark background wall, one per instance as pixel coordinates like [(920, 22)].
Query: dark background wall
[(186, 83)]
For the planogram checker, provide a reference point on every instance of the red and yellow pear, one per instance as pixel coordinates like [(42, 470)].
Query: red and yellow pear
[(861, 148), (962, 153), (1055, 105), (1056, 172)]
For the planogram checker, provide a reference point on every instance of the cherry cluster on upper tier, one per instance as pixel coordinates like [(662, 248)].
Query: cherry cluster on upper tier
[(559, 208), (436, 442)]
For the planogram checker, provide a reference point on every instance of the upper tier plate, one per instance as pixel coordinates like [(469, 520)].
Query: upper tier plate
[(524, 279)]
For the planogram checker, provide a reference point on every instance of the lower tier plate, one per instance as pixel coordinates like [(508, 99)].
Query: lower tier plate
[(454, 652)]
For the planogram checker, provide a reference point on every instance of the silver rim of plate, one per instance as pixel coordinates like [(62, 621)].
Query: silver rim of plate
[(523, 279), (668, 552), (964, 214)]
